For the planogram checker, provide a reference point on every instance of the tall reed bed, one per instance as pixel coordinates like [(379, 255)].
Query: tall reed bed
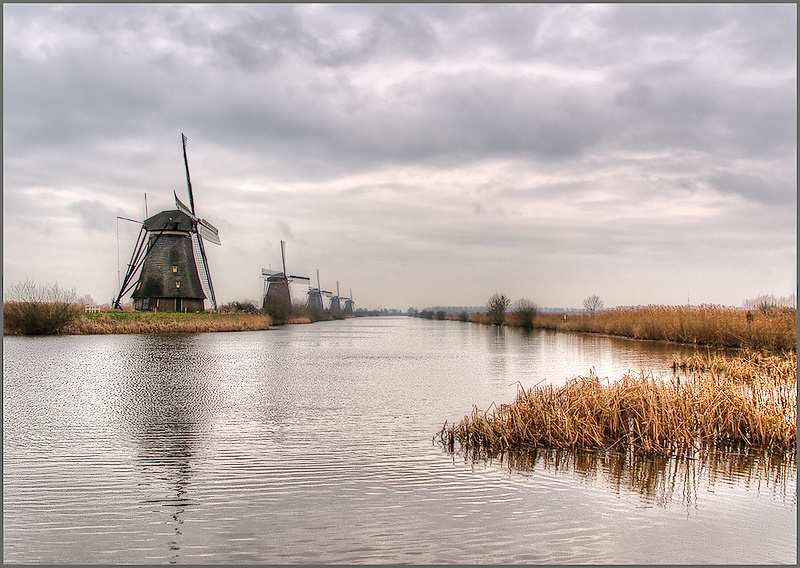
[(153, 322), (716, 326), (750, 404)]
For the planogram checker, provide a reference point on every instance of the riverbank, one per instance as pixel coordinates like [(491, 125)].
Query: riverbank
[(159, 322), (715, 326), (745, 401)]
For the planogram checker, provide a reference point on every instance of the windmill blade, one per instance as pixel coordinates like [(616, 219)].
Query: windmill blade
[(181, 207), (208, 226), (208, 231), (205, 276), (303, 278), (265, 272), (188, 179)]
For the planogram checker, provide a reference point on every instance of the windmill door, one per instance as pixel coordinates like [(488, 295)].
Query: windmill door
[(178, 304)]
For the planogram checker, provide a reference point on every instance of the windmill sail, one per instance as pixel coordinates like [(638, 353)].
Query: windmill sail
[(208, 231), (204, 273), (188, 179), (181, 207)]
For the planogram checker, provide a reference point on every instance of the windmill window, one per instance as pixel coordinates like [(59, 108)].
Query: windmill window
[(174, 268), (178, 284)]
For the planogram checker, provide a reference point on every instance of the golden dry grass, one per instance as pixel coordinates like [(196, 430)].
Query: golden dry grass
[(749, 402), (151, 322), (716, 326)]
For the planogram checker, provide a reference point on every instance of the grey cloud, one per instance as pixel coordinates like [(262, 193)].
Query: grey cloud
[(638, 95), (94, 215), (646, 20), (754, 188), (316, 122), (395, 32)]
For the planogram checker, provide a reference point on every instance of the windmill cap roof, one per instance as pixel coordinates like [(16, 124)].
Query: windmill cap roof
[(180, 221)]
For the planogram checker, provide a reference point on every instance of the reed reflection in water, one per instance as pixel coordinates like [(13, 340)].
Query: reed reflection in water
[(658, 480)]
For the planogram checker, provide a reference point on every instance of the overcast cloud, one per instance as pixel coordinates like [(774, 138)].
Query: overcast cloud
[(418, 154)]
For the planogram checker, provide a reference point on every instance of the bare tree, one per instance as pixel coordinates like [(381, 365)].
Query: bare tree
[(497, 308), (593, 303)]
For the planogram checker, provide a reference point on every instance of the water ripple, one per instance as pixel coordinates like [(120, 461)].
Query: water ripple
[(312, 444)]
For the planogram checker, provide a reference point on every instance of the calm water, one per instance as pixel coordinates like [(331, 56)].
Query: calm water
[(313, 444)]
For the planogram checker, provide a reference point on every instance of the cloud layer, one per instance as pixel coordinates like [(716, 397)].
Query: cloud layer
[(418, 154)]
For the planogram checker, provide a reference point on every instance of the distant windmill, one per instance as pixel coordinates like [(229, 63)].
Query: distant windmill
[(168, 251), (335, 300), (276, 288), (349, 305), (315, 295)]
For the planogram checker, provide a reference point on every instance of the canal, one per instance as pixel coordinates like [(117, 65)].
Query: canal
[(313, 444)]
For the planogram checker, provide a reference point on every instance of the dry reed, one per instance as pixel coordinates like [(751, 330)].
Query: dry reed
[(716, 326), (150, 322), (750, 402)]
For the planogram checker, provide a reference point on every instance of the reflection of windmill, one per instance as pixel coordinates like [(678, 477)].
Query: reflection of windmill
[(276, 285), (335, 299), (315, 295), (170, 279), (349, 305)]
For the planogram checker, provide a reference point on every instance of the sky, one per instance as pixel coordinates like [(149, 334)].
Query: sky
[(418, 154)]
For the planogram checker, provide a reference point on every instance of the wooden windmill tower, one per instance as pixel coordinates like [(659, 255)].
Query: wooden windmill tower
[(349, 305), (277, 300), (170, 259), (335, 306), (315, 295)]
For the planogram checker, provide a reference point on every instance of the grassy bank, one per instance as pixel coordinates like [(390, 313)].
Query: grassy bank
[(155, 322), (715, 326), (746, 401)]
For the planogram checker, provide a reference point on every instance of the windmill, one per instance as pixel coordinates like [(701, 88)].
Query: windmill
[(334, 307), (277, 298), (315, 295), (349, 305), (166, 257)]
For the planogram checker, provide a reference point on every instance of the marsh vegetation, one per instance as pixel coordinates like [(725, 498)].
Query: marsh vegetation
[(773, 328), (745, 401)]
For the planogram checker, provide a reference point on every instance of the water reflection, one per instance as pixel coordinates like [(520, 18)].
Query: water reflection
[(312, 445), (166, 405), (498, 352), (658, 480)]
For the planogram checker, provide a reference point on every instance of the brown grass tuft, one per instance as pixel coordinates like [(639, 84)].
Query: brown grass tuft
[(747, 402)]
